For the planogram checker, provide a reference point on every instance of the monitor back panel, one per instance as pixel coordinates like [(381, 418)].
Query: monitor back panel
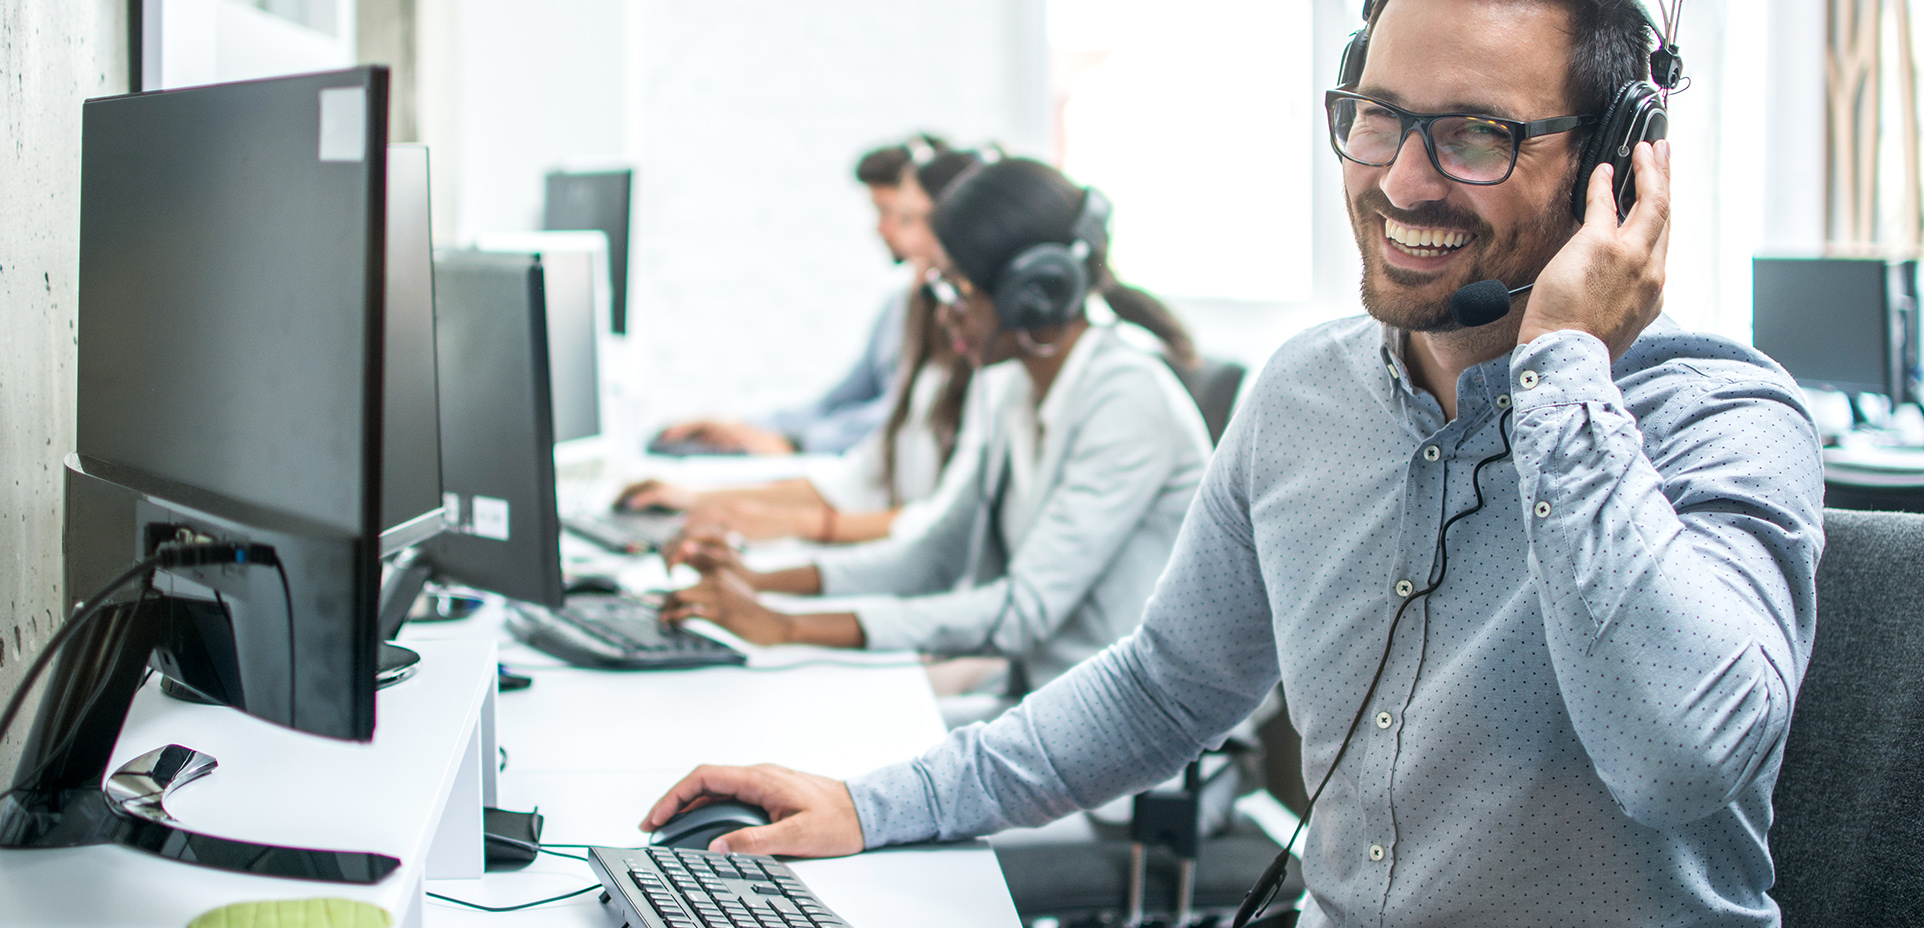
[(497, 433), (231, 262), (230, 365)]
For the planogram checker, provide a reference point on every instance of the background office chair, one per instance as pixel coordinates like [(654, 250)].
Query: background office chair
[(1083, 879), (1848, 836), (1213, 384)]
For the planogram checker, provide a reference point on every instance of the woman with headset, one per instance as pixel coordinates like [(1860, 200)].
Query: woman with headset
[(1047, 549)]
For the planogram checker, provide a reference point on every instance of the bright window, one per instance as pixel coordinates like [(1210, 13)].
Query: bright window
[(1196, 120)]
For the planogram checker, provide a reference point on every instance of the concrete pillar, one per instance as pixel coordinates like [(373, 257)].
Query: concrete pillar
[(52, 56)]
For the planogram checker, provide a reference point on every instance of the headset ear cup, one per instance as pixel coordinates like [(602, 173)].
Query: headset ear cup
[(1351, 70), (1635, 115), (1043, 286)]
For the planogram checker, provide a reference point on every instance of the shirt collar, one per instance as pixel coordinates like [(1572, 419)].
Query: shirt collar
[(1055, 405), (1476, 387)]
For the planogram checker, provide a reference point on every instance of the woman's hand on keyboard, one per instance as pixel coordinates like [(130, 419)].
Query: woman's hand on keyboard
[(810, 816), (707, 550), (725, 598)]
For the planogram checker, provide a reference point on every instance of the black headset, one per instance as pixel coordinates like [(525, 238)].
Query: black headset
[(1636, 114), (1044, 284)]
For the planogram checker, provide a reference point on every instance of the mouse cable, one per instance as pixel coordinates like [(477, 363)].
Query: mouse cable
[(1259, 897), (514, 908)]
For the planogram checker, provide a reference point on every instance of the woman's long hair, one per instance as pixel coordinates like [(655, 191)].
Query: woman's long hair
[(924, 341), (1002, 208)]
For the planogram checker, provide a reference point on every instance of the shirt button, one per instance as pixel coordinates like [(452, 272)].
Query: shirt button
[(1542, 509), (1376, 852), (1503, 401), (1383, 720), (1404, 588), (1432, 453), (1392, 368), (1528, 380)]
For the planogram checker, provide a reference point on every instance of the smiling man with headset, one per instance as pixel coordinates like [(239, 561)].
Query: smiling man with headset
[(1536, 576)]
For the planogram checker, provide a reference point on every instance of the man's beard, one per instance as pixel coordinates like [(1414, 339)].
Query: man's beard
[(1515, 258)]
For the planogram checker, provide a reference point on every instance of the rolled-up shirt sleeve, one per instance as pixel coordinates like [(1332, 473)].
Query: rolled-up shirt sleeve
[(1676, 580)]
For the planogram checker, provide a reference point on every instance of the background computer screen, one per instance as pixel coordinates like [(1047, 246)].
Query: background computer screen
[(231, 245), (596, 200), (411, 425), (1826, 320), (497, 433)]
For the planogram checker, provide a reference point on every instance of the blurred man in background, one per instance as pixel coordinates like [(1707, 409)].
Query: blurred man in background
[(858, 403)]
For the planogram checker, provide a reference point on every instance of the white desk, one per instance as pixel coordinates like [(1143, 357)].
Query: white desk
[(595, 749), (280, 786)]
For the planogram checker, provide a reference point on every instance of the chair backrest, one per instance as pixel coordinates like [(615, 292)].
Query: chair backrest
[(1213, 384), (1848, 835)]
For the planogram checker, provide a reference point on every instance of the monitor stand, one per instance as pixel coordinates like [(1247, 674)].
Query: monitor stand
[(62, 795)]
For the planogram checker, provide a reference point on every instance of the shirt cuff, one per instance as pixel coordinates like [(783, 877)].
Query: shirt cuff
[(1560, 369), (894, 805)]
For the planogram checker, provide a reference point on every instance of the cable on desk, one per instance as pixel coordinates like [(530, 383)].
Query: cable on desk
[(832, 662), (514, 908)]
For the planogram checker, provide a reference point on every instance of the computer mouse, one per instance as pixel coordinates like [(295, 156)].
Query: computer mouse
[(697, 828), (593, 583)]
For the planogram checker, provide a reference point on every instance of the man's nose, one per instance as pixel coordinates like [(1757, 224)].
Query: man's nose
[(1412, 179)]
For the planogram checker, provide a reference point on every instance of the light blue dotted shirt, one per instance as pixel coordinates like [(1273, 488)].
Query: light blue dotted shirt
[(1583, 725)]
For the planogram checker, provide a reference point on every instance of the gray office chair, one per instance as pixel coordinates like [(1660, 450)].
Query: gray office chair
[(1213, 384), (1848, 835), (1085, 882)]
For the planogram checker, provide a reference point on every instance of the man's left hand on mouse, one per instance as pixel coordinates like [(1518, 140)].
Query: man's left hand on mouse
[(1608, 280)]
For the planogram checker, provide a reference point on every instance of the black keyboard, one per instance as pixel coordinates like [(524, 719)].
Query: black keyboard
[(626, 532), (661, 887), (615, 633)]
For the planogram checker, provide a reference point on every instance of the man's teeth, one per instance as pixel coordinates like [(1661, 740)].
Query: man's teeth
[(1423, 243)]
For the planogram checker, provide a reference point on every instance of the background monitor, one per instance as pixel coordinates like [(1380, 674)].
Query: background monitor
[(1828, 321), (411, 420), (598, 200), (497, 430), (576, 291)]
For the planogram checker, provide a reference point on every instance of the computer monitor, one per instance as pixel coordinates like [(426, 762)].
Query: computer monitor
[(596, 200), (497, 429), (411, 419), (232, 251), (576, 290), (1830, 322)]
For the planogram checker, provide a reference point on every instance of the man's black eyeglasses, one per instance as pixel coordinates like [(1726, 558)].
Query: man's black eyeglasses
[(1464, 147)]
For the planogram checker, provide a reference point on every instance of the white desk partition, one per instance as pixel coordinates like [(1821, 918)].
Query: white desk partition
[(415, 793)]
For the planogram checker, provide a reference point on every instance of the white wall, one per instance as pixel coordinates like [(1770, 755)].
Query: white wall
[(194, 42), (755, 270), (53, 55)]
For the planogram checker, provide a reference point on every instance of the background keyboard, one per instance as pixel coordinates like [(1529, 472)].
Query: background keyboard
[(625, 532), (615, 633), (661, 887)]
